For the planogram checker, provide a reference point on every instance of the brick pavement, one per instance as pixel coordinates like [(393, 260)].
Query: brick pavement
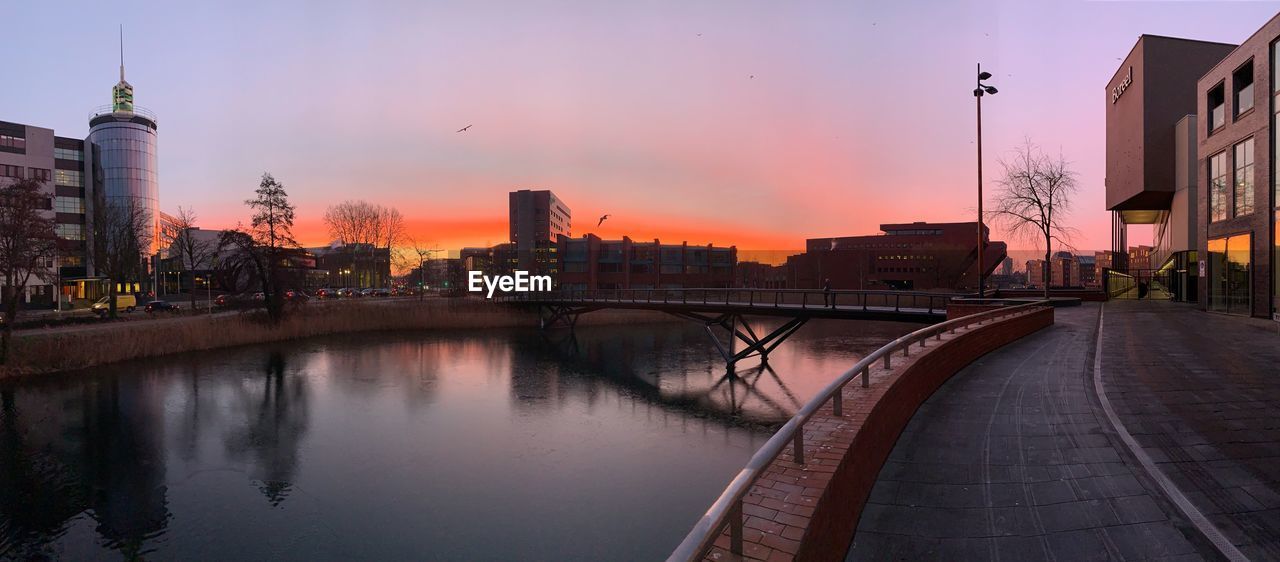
[(1014, 459), (1200, 392)]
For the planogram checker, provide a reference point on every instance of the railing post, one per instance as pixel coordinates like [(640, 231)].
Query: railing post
[(887, 363), (837, 403), (866, 375), (804, 300), (799, 445), (735, 528)]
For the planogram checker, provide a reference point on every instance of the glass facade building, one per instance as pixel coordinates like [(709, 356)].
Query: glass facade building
[(125, 160)]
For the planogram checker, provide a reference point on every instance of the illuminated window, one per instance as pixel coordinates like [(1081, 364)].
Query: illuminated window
[(70, 178), (70, 231)]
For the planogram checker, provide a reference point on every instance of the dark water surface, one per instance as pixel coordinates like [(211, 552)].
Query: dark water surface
[(491, 445)]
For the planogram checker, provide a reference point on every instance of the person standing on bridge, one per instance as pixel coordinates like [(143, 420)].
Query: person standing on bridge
[(826, 294)]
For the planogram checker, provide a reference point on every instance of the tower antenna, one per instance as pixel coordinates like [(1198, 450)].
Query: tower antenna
[(122, 52)]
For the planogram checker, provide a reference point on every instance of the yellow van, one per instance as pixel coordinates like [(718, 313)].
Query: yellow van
[(123, 302)]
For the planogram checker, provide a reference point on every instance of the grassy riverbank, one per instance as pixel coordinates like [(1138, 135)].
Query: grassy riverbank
[(49, 351)]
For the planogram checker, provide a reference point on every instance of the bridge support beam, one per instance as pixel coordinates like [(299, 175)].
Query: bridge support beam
[(755, 345), (552, 315)]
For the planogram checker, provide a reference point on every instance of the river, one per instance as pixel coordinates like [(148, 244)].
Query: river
[(478, 445)]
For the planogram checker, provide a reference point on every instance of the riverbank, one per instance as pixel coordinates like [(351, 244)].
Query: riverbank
[(49, 351)]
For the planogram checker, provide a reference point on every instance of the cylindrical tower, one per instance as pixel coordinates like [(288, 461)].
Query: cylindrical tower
[(124, 145)]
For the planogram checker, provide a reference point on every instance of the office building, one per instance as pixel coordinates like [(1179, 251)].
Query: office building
[(592, 263), (28, 151), (1035, 273), (537, 219), (1236, 102), (1151, 149), (1065, 271), (912, 256)]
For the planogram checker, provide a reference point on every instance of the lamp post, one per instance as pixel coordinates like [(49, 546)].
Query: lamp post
[(977, 94)]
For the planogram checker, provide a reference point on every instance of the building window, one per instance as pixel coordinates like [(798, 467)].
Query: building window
[(68, 205), (1244, 178), (1229, 262), (68, 154), (14, 142), (70, 178), (69, 231), (1275, 159), (7, 171), (1217, 102), (1242, 82), (1218, 187), (41, 174)]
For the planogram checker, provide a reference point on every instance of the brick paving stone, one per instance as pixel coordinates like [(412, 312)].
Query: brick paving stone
[(1199, 392), (1013, 459)]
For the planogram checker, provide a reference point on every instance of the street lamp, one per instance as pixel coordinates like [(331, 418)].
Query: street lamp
[(977, 94)]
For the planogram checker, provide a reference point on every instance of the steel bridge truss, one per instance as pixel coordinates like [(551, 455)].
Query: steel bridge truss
[(755, 345), (731, 323)]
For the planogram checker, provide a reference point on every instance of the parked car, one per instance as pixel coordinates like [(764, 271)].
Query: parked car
[(160, 306), (327, 293), (296, 296), (348, 292), (123, 302), (366, 292), (383, 292)]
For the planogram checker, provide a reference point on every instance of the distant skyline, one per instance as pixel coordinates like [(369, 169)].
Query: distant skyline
[(749, 123)]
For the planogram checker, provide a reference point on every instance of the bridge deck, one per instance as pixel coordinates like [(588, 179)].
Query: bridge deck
[(839, 311)]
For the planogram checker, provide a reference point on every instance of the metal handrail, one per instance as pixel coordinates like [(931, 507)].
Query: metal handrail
[(897, 300), (110, 110), (727, 509)]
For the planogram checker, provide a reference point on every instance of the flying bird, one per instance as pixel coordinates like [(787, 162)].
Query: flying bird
[(751, 77), (602, 220), (464, 129)]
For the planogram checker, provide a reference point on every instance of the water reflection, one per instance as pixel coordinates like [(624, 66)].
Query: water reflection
[(606, 443)]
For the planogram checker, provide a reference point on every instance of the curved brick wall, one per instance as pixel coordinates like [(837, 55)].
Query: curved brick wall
[(810, 511)]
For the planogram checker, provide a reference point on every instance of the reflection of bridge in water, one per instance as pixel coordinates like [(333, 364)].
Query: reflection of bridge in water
[(671, 373), (723, 310)]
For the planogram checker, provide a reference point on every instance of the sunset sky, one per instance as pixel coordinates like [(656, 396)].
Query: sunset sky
[(757, 124)]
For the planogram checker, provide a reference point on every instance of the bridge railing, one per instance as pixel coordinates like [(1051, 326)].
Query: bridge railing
[(762, 298), (727, 509)]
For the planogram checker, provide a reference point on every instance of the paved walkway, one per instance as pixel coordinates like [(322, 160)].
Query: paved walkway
[(1200, 393), (1015, 459)]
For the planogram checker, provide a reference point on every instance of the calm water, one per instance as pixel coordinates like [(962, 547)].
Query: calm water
[(480, 445)]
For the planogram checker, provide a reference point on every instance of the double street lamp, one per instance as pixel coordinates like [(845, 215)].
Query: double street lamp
[(977, 94)]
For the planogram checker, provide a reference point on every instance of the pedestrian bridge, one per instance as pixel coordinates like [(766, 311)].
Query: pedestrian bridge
[(724, 309)]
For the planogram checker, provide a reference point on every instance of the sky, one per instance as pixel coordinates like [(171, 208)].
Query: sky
[(752, 123)]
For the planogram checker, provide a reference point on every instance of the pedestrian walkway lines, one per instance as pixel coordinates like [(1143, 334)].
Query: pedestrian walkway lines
[(1171, 490)]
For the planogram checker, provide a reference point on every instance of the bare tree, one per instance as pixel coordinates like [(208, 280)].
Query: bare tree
[(423, 253), (193, 252), (1035, 197), (28, 245), (271, 230), (122, 230), (360, 225)]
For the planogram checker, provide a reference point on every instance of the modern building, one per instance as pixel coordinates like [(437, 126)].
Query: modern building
[(1065, 271), (537, 219), (1237, 227), (912, 256), (354, 265), (1141, 258), (1151, 148), (116, 163), (1089, 273), (1035, 273), (756, 275), (592, 263), (28, 151)]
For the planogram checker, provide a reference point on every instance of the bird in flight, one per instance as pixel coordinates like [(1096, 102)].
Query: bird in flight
[(602, 220), (464, 129), (752, 77)]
